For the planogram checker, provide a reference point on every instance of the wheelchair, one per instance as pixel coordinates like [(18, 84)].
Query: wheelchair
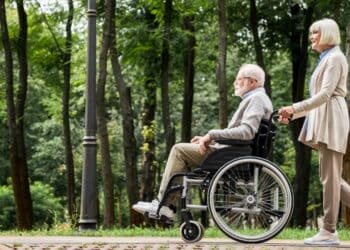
[(249, 198)]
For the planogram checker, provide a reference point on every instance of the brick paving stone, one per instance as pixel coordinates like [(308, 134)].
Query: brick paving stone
[(164, 246), (148, 243)]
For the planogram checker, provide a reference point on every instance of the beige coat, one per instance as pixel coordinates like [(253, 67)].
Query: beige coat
[(326, 111)]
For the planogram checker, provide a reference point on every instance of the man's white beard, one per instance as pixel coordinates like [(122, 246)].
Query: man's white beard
[(241, 91)]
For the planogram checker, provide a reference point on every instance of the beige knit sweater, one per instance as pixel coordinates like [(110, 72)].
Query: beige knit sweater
[(246, 120)]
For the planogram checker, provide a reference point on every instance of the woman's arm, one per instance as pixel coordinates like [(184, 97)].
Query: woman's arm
[(330, 80)]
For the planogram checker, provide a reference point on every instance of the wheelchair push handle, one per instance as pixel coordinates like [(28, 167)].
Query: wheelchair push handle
[(274, 115)]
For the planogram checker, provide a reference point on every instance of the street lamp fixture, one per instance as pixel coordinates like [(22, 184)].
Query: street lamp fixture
[(88, 209)]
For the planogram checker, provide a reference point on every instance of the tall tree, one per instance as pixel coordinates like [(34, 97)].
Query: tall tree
[(67, 55), (300, 23), (346, 165), (189, 71), (129, 140), (108, 182), (221, 65), (149, 163), (15, 116), (169, 129), (259, 56)]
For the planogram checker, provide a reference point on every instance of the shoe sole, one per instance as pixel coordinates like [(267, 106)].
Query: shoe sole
[(151, 215), (323, 243)]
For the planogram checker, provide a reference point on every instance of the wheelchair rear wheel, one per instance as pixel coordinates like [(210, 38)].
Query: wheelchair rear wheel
[(250, 199)]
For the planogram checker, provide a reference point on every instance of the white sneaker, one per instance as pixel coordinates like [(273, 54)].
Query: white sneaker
[(152, 207), (141, 206), (324, 237)]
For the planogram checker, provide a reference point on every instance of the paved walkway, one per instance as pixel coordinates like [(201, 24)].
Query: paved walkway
[(147, 243)]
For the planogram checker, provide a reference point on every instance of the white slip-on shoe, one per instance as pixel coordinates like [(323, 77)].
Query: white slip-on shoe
[(167, 212), (151, 209), (141, 207), (155, 202), (324, 238)]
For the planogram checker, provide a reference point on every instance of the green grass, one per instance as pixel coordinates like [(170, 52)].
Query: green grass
[(212, 232)]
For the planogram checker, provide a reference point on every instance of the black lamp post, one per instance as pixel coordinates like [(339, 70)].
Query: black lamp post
[(88, 210)]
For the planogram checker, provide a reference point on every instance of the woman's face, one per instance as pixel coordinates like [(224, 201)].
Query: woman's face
[(315, 37)]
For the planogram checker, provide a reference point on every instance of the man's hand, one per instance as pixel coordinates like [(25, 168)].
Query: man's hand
[(203, 144), (196, 139)]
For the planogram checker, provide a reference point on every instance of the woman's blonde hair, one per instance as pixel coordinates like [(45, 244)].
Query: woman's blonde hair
[(329, 31)]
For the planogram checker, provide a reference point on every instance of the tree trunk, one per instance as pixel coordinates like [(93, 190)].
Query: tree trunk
[(15, 116), (299, 51), (65, 115), (149, 164), (129, 140), (346, 164), (169, 129), (107, 175), (259, 56), (221, 66), (189, 56), (21, 99), (65, 56)]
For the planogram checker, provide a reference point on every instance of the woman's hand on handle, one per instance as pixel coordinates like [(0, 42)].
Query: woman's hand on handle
[(285, 114)]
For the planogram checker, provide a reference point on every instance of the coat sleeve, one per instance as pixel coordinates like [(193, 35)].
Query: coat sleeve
[(330, 79)]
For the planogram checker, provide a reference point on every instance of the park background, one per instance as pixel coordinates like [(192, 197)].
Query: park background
[(164, 74)]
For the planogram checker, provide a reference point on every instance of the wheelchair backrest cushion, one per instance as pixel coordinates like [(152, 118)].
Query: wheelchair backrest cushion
[(264, 138)]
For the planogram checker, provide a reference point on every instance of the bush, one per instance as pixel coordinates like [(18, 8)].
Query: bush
[(47, 209), (7, 211)]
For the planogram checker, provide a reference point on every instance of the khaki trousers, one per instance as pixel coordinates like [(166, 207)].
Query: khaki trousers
[(182, 157), (335, 189)]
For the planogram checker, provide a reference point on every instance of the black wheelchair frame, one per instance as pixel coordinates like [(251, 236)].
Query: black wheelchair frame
[(249, 198)]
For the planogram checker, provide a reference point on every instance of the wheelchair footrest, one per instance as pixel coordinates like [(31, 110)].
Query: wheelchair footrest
[(161, 218)]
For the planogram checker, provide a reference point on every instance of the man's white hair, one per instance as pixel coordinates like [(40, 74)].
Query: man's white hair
[(253, 71), (329, 31)]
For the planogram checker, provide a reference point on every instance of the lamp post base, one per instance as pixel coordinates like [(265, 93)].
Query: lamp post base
[(87, 225)]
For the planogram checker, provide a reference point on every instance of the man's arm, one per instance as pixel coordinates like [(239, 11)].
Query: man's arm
[(253, 112)]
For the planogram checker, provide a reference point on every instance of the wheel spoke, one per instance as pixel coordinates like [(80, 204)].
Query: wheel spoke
[(250, 199)]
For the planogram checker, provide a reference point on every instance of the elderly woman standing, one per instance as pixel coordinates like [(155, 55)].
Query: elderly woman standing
[(326, 125)]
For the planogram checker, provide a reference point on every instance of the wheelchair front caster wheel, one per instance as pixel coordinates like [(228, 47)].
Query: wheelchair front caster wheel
[(191, 231)]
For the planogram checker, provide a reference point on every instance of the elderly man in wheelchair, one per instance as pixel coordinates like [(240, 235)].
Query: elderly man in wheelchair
[(248, 197)]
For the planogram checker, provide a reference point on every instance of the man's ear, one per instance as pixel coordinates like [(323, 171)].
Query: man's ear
[(252, 83)]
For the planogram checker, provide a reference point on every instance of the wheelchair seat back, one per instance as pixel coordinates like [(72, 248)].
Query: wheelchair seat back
[(259, 146), (262, 142)]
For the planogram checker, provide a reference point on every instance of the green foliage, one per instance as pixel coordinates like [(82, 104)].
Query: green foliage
[(47, 155), (139, 44), (8, 212), (47, 208)]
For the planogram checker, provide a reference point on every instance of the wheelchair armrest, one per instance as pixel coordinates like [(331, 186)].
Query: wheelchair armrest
[(234, 142)]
